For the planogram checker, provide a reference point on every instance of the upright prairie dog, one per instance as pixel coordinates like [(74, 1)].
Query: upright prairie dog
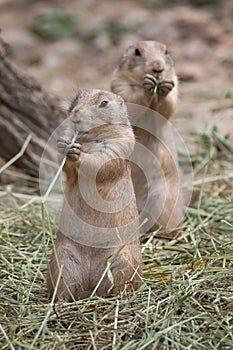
[(99, 213), (145, 76)]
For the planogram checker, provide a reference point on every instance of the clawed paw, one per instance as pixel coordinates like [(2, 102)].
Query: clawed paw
[(71, 150), (62, 143), (164, 87), (150, 83)]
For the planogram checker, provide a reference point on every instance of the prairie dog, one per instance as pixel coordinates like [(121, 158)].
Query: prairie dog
[(137, 75), (144, 68), (99, 212)]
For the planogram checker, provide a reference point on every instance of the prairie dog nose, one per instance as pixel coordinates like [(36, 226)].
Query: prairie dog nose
[(158, 67)]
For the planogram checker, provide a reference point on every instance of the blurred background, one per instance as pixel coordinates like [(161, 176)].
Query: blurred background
[(66, 45)]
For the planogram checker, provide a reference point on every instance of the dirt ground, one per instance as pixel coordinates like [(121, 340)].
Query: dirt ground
[(199, 38)]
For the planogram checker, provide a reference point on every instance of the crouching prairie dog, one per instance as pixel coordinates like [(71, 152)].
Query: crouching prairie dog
[(99, 213), (146, 76)]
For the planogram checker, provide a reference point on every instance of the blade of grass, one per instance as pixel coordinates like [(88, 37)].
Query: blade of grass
[(58, 172), (49, 310), (115, 324), (18, 155), (6, 337)]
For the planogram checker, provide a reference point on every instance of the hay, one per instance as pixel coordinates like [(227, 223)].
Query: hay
[(185, 301)]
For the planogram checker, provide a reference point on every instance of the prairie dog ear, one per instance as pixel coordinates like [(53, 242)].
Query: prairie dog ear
[(120, 100), (163, 48)]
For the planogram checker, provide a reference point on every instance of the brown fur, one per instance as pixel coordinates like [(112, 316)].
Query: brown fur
[(133, 71), (99, 211), (138, 73)]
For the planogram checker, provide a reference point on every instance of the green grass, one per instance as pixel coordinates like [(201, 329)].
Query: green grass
[(186, 299), (54, 24)]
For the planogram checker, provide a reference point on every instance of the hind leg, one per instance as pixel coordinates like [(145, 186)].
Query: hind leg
[(125, 271), (64, 259)]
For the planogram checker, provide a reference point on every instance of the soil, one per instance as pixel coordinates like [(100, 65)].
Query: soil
[(200, 40)]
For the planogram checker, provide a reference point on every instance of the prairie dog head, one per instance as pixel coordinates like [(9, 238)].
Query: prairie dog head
[(93, 108), (147, 57)]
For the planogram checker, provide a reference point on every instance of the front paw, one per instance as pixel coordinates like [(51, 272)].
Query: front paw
[(150, 83), (73, 151), (164, 87), (62, 144)]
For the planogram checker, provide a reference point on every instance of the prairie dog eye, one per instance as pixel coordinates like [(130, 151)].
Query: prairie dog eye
[(103, 104), (137, 52), (167, 52)]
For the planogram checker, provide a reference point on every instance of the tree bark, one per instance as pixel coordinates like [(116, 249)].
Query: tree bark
[(25, 108)]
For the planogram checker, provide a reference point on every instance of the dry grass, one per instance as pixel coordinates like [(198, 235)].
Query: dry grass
[(186, 299)]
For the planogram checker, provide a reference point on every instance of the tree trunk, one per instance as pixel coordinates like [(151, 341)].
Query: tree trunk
[(25, 108)]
